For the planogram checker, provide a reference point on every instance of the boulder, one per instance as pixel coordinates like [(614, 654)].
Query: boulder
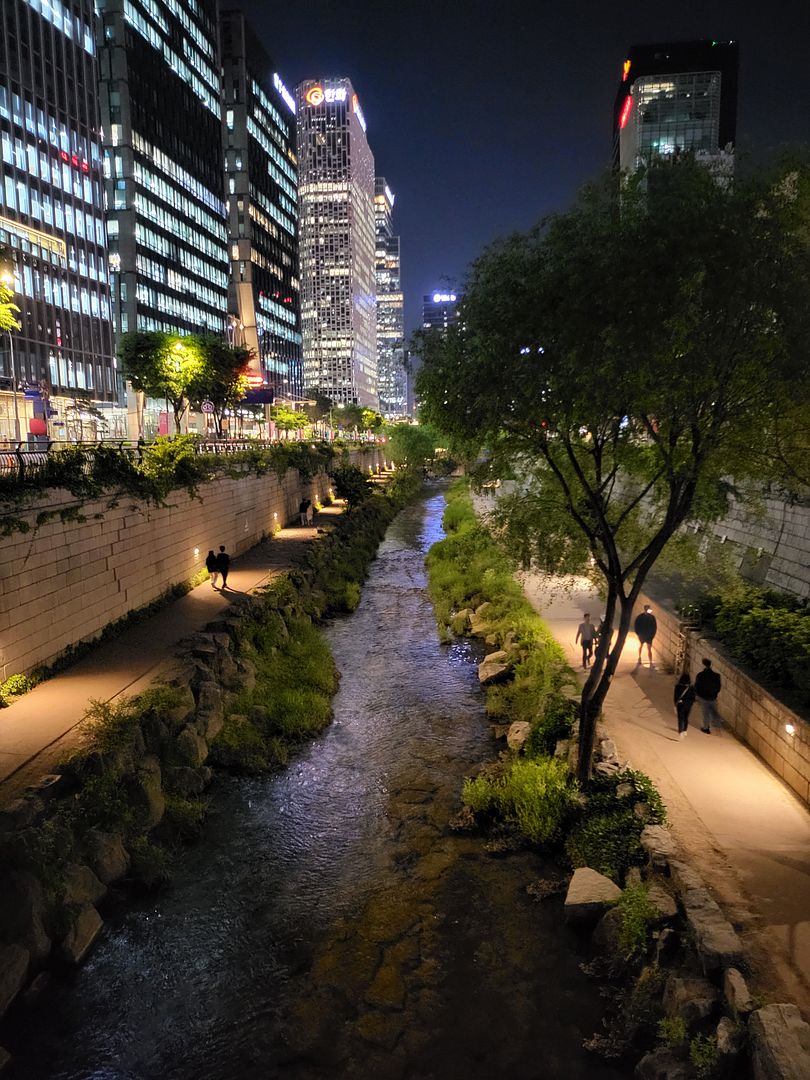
[(20, 814), (84, 931), (716, 939), (562, 748), (663, 902), (183, 711), (247, 674), (146, 791), (157, 737), (479, 620), (463, 616), (14, 960), (780, 1043), (82, 886), (662, 1064), (191, 747), (606, 935), (107, 855), (229, 674), (691, 997), (736, 992), (210, 712), (184, 781), (491, 639), (517, 734), (729, 1041), (22, 911), (604, 768), (607, 750), (493, 668), (589, 896), (659, 844)]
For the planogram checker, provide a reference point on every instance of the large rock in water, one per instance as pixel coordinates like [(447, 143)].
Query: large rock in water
[(82, 886), (589, 896), (780, 1043), (82, 934), (22, 910), (13, 970), (107, 855), (493, 667)]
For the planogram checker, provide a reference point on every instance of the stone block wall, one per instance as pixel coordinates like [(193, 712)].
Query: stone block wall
[(63, 582), (754, 715)]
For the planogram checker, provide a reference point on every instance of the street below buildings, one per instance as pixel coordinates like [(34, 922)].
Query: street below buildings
[(748, 836)]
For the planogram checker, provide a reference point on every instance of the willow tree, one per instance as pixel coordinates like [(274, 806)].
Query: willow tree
[(626, 359)]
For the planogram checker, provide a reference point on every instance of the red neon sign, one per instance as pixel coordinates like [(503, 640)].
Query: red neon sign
[(254, 380), (625, 116)]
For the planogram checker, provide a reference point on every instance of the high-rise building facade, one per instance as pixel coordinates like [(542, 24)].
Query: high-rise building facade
[(439, 310), (52, 233), (261, 171), (677, 97), (160, 100), (391, 376), (336, 201)]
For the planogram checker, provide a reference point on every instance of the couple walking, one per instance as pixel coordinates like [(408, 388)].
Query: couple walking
[(706, 688), (218, 564)]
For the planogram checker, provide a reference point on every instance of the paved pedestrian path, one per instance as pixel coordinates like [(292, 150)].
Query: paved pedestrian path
[(745, 831), (37, 728)]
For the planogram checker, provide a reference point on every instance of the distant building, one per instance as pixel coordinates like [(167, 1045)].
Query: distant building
[(391, 377), (677, 97), (53, 245), (336, 201), (261, 172), (160, 97), (439, 310)]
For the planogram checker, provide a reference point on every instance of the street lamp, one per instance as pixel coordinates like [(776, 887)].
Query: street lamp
[(8, 280)]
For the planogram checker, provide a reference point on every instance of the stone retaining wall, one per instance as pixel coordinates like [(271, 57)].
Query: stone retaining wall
[(754, 715), (64, 582)]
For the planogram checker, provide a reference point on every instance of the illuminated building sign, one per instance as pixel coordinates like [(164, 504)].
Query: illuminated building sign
[(254, 379), (285, 93), (444, 297), (317, 95), (625, 114), (76, 162), (625, 70), (358, 112)]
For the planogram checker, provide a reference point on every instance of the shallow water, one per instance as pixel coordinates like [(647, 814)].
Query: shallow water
[(328, 923)]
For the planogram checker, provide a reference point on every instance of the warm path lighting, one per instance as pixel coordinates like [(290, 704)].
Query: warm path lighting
[(790, 729)]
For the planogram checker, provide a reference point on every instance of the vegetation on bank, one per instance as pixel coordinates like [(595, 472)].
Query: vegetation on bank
[(597, 825)]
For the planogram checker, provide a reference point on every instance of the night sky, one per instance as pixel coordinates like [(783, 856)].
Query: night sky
[(484, 116)]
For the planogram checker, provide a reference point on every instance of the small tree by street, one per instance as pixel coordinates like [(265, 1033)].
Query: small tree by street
[(160, 365), (220, 375), (412, 444), (627, 359), (351, 484)]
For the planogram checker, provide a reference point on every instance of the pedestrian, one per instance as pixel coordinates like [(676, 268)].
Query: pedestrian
[(645, 626), (684, 698), (303, 511), (585, 633), (708, 685), (223, 565), (212, 567)]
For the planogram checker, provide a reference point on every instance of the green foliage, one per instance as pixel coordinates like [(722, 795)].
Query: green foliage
[(8, 309), (673, 1032), (150, 863), (637, 918), (704, 1055), (15, 685), (412, 444), (351, 484), (536, 797), (183, 817), (553, 724)]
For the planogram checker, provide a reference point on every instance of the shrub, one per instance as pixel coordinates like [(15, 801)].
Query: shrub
[(704, 1055), (554, 724), (15, 685), (637, 918), (673, 1032), (536, 797), (606, 842), (183, 817)]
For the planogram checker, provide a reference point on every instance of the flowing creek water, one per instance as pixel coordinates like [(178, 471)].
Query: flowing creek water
[(328, 923)]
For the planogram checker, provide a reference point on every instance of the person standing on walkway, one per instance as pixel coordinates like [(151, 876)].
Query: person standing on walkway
[(646, 627), (684, 698), (212, 567), (303, 511), (708, 685), (223, 565), (586, 632)]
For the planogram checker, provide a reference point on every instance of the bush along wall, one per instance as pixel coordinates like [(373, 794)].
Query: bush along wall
[(259, 680), (680, 1000)]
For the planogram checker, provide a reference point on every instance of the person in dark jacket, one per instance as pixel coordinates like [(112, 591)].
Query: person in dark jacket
[(212, 568), (708, 685), (645, 626), (223, 565), (303, 511), (684, 698)]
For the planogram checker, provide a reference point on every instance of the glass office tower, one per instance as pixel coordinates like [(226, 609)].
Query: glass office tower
[(391, 376), (57, 373), (261, 171), (336, 199)]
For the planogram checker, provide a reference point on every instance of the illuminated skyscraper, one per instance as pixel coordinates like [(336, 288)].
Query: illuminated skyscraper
[(336, 200), (391, 377), (439, 310), (160, 97), (262, 181), (52, 234), (674, 98)]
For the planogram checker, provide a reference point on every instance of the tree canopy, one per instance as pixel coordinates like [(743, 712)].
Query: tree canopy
[(412, 444), (628, 358), (8, 309)]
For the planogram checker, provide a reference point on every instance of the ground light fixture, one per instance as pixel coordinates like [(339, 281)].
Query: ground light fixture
[(790, 729)]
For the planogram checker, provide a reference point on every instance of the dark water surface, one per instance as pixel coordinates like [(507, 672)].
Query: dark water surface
[(328, 923)]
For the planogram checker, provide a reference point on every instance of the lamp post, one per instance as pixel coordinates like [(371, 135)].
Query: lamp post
[(8, 280)]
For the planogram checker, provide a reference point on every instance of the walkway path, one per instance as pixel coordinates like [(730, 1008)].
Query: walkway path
[(745, 831), (35, 730)]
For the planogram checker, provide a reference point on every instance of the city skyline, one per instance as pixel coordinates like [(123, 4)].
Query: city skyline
[(484, 125)]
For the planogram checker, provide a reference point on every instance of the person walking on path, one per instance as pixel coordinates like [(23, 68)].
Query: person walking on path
[(645, 626), (303, 511), (684, 698), (708, 685), (586, 632), (212, 567), (223, 565)]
